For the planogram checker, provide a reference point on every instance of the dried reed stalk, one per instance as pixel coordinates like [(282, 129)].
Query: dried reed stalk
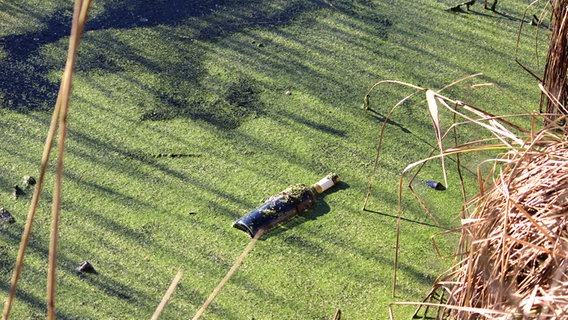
[(167, 296), (59, 120), (555, 79), (79, 19), (228, 276), (513, 255)]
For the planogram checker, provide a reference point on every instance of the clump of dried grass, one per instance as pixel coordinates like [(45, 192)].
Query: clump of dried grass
[(512, 261), (512, 257)]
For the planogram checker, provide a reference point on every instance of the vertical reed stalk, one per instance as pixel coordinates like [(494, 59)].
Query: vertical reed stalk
[(58, 117), (31, 214), (555, 78), (79, 18)]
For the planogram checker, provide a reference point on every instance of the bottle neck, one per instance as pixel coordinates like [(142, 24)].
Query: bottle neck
[(325, 183)]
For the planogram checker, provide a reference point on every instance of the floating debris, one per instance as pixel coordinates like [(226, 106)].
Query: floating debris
[(86, 267), (175, 155), (28, 182), (6, 216), (435, 185), (18, 192)]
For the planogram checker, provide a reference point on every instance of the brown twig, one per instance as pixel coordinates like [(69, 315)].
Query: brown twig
[(79, 18), (167, 296), (228, 276)]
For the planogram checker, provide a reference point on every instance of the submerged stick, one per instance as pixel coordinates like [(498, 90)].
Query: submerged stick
[(229, 274), (167, 296)]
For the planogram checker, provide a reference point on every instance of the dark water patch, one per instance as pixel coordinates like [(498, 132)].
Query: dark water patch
[(23, 77), (131, 14), (238, 102), (24, 70)]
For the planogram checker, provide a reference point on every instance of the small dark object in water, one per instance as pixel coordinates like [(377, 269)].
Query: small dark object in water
[(18, 191), (436, 185), (6, 216), (29, 181), (175, 155), (86, 267)]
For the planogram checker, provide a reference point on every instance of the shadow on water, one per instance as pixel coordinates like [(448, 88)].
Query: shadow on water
[(235, 104), (377, 115), (327, 128), (37, 304), (112, 287), (402, 218), (24, 70), (23, 77)]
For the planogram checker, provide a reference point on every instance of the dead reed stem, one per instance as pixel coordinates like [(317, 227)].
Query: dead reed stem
[(59, 118), (555, 78), (514, 245), (228, 276), (495, 124), (79, 19), (366, 106), (167, 296)]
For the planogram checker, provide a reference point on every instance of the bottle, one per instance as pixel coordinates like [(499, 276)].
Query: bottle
[(284, 206)]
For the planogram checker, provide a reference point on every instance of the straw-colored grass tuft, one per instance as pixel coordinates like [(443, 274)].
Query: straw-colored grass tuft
[(513, 255)]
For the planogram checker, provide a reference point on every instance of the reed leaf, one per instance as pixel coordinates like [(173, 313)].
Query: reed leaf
[(433, 110)]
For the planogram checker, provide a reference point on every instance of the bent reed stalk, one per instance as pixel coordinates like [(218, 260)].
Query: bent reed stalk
[(511, 261), (513, 252), (79, 19), (499, 126)]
